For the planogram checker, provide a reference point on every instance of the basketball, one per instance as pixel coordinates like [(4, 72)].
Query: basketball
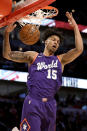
[(29, 34)]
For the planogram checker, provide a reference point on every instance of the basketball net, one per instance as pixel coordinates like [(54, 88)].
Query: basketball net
[(37, 16)]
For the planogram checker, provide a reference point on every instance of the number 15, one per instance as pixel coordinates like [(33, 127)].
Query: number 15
[(52, 74)]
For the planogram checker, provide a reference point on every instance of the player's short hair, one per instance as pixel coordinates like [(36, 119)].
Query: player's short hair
[(51, 31)]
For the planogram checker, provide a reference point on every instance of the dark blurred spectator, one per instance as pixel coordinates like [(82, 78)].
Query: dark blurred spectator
[(3, 127)]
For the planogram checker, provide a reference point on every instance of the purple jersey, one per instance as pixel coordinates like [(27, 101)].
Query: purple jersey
[(45, 76)]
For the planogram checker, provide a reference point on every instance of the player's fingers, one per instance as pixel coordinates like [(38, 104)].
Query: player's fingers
[(71, 14), (14, 25), (10, 27), (68, 15)]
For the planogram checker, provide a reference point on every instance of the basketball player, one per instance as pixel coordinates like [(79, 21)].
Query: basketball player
[(45, 76)]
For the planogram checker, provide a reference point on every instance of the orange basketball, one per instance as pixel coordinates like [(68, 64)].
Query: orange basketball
[(29, 34)]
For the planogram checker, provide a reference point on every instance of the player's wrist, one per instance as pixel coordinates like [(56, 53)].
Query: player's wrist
[(6, 32), (75, 27)]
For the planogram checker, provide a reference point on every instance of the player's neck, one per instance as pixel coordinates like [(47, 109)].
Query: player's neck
[(48, 53)]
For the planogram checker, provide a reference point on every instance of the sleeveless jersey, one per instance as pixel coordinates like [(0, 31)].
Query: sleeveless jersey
[(45, 76)]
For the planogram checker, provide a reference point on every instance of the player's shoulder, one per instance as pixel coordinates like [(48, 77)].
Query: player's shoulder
[(60, 57), (31, 54)]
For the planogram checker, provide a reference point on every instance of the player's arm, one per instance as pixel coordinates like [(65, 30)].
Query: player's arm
[(22, 57), (15, 56), (73, 53)]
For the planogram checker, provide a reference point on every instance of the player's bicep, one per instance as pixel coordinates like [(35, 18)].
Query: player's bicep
[(18, 56), (70, 56)]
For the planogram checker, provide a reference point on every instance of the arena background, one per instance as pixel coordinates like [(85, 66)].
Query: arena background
[(72, 96)]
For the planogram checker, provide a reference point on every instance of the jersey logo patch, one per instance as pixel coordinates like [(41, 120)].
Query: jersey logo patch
[(39, 56), (24, 126)]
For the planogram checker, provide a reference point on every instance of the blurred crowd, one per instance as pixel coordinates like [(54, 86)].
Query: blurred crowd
[(71, 114)]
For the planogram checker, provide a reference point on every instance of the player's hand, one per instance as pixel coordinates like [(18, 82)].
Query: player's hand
[(71, 20), (10, 28)]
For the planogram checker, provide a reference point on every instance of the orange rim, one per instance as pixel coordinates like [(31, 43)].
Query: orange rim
[(14, 16), (51, 8)]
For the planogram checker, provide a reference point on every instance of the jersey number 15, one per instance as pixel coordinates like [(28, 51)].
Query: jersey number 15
[(52, 74)]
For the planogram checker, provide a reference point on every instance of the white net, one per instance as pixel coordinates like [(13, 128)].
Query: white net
[(37, 16)]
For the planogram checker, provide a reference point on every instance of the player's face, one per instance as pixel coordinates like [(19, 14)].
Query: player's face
[(52, 43)]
